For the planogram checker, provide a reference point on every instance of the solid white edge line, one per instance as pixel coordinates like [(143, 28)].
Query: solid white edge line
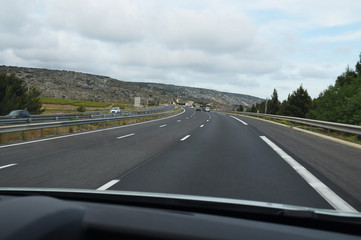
[(185, 137), (83, 133), (128, 135), (244, 123), (108, 185), (164, 125), (9, 165), (331, 197)]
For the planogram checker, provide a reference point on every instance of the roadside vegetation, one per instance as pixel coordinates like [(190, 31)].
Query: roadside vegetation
[(74, 102), (14, 94), (340, 102), (55, 131), (60, 105)]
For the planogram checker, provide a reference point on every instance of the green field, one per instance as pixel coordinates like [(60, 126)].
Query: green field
[(74, 102), (59, 105)]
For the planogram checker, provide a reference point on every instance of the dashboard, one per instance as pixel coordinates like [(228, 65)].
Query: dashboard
[(52, 215)]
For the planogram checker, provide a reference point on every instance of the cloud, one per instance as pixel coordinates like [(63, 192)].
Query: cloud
[(344, 37), (343, 50), (115, 21), (245, 46), (206, 30), (312, 72), (311, 14)]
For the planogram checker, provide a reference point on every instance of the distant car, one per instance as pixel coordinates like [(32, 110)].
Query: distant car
[(18, 114), (115, 110), (207, 109), (198, 109)]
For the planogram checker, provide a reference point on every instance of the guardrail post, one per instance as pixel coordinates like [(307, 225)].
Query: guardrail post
[(57, 130), (41, 132), (56, 118), (328, 132), (80, 127), (23, 135), (29, 120), (356, 138)]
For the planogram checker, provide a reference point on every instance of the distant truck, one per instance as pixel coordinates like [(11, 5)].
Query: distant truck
[(207, 109)]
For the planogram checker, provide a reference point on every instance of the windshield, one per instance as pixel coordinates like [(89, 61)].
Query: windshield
[(16, 112), (248, 100)]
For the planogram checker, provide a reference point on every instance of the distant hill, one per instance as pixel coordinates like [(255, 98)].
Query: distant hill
[(76, 85)]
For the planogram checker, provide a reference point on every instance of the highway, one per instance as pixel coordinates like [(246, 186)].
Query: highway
[(196, 153)]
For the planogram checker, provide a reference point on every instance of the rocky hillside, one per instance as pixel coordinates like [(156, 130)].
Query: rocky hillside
[(76, 85)]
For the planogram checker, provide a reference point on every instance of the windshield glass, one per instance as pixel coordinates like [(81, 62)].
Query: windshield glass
[(249, 100), (16, 112)]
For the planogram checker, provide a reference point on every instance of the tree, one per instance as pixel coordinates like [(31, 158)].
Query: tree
[(9, 101), (240, 108), (298, 103), (274, 105), (285, 107), (346, 77), (33, 104), (358, 66), (253, 108), (15, 95), (261, 106), (341, 102)]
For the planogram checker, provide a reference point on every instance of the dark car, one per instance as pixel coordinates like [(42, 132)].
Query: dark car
[(198, 109), (19, 114)]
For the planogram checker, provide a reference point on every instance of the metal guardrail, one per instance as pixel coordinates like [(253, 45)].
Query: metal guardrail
[(340, 127), (56, 125), (79, 115)]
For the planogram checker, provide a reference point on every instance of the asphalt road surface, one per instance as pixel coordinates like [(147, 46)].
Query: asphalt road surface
[(195, 153)]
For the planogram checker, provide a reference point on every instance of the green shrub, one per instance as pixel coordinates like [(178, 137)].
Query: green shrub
[(81, 108)]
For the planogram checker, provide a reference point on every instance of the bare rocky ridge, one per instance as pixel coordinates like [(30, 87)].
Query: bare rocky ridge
[(76, 85)]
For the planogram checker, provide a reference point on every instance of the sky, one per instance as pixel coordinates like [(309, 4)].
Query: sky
[(248, 47)]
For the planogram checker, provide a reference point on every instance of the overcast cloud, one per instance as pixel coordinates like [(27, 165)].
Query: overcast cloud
[(247, 47)]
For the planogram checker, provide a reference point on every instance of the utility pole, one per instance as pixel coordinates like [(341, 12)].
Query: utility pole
[(265, 108)]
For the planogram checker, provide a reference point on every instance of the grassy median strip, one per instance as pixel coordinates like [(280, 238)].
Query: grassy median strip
[(47, 132)]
